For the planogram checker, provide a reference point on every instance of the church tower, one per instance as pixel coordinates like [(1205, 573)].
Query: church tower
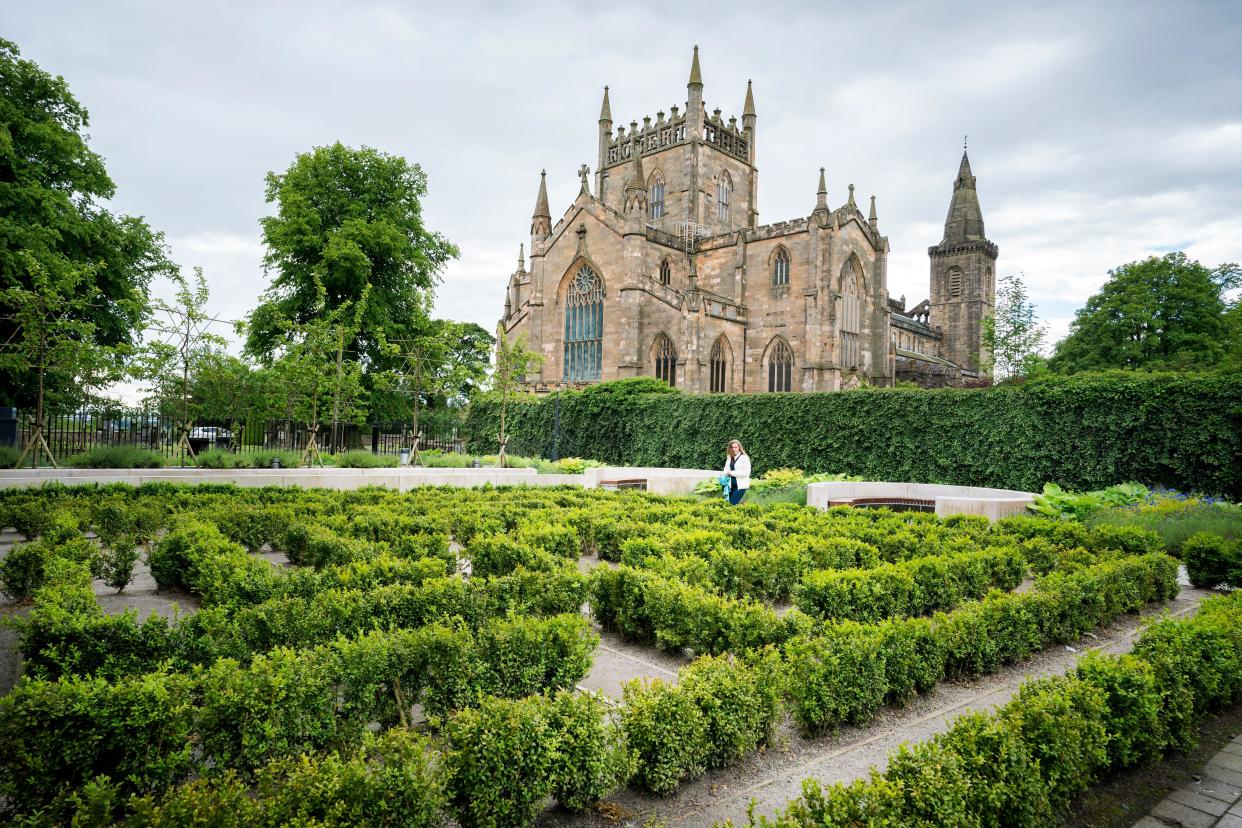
[(963, 276)]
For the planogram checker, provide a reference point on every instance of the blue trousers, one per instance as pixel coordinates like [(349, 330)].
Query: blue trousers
[(735, 496)]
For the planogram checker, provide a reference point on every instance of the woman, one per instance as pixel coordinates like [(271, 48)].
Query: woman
[(737, 467)]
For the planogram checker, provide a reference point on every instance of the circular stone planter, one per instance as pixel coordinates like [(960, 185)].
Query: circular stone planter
[(948, 500)]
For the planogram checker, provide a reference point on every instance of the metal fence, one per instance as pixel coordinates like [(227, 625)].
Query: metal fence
[(75, 432)]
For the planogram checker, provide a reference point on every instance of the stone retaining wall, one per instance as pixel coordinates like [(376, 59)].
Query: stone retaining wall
[(949, 500)]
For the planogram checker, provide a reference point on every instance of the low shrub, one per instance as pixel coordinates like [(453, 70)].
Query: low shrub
[(914, 587), (218, 458), (9, 455), (24, 570), (263, 459), (667, 732), (502, 763), (392, 779), (116, 457), (1212, 560), (362, 460), (835, 677), (592, 759)]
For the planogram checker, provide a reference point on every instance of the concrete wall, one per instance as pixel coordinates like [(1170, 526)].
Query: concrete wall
[(659, 481), (950, 500)]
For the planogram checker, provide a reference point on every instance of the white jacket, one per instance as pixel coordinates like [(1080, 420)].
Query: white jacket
[(741, 470)]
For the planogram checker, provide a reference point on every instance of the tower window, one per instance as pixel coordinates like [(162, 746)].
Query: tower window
[(722, 199), (780, 268), (584, 327), (665, 359), (955, 283), (780, 367), (666, 273), (656, 201), (719, 365)]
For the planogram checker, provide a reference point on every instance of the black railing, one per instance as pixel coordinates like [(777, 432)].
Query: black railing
[(70, 433)]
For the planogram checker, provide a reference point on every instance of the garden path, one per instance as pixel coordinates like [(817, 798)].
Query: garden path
[(774, 776)]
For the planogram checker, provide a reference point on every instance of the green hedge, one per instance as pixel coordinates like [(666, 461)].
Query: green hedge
[(1022, 764), (1083, 432)]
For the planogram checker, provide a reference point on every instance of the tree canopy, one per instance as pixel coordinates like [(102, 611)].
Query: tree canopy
[(1013, 334), (1163, 313), (51, 188), (348, 221)]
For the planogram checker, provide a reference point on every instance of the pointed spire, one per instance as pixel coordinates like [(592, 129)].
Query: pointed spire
[(696, 77), (541, 202), (522, 257), (871, 218), (605, 110), (964, 222), (963, 172), (541, 219), (749, 108), (821, 198)]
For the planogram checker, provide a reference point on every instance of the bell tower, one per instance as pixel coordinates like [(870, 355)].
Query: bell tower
[(963, 276)]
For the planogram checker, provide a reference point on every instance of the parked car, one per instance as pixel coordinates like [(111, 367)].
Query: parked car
[(212, 434)]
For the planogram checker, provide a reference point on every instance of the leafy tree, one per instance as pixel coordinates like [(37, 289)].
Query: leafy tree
[(513, 360), (51, 191), (50, 339), (182, 343), (348, 221), (312, 375), (1163, 313), (1012, 335)]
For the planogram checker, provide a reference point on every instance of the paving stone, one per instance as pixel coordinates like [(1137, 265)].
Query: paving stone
[(1150, 822), (1199, 802), (1216, 790), (1224, 775), (1186, 816), (1229, 821), (1226, 760)]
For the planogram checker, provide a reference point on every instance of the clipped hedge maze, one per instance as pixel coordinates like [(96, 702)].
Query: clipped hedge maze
[(419, 658)]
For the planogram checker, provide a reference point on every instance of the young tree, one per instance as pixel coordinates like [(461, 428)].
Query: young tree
[(1012, 335), (51, 339), (181, 344), (513, 360), (52, 190), (1166, 313), (316, 367), (348, 221)]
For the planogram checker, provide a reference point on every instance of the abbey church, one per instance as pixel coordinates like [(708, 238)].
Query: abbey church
[(660, 268)]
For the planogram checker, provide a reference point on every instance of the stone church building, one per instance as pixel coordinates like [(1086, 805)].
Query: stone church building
[(663, 270)]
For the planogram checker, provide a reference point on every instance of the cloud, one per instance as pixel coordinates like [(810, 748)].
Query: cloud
[(1100, 133)]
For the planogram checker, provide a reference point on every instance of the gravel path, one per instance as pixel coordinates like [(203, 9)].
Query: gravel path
[(774, 776)]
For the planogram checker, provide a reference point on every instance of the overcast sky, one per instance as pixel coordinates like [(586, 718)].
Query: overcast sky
[(1100, 133)]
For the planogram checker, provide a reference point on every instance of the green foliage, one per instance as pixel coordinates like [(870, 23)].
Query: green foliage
[(592, 759), (53, 191), (1058, 503), (1163, 313), (1082, 432), (835, 677), (351, 221), (392, 779), (503, 762), (362, 460), (914, 587), (1012, 335), (1176, 520), (1212, 560), (116, 457), (667, 732)]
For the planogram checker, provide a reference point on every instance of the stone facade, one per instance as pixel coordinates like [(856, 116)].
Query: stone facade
[(664, 271)]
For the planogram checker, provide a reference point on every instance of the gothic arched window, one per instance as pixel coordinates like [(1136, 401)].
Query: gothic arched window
[(665, 357), (780, 366), (849, 315), (720, 365), (655, 201), (666, 273), (780, 267), (584, 327), (723, 186)]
